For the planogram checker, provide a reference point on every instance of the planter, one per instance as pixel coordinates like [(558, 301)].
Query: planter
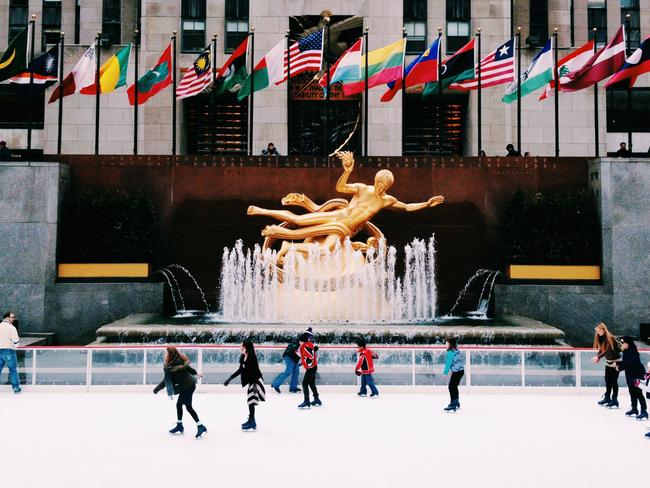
[(553, 272), (103, 270)]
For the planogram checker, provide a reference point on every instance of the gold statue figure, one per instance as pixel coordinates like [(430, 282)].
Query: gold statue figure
[(337, 219)]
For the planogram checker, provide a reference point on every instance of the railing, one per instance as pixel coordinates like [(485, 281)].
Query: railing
[(397, 365)]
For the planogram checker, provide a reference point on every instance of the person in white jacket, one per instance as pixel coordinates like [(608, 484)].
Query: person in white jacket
[(9, 340)]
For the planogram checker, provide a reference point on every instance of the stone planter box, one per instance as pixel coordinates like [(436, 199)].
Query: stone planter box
[(553, 272), (103, 270)]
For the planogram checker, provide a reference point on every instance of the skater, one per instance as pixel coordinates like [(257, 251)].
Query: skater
[(607, 346), (644, 386), (365, 367), (454, 364), (251, 376), (291, 360), (310, 363), (179, 379), (634, 373), (9, 340)]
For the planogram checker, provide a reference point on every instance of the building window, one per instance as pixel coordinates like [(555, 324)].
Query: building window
[(13, 114), (415, 22), (51, 22), (620, 119), (538, 23), (18, 17), (112, 21), (633, 32), (193, 26), (459, 14), (236, 23), (597, 17)]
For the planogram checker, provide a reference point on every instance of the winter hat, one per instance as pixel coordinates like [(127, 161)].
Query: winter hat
[(303, 338)]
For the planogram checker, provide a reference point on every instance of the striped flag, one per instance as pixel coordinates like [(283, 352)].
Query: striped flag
[(305, 55), (197, 78), (497, 68), (572, 62)]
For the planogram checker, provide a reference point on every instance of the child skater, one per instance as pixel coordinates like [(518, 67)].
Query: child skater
[(179, 379), (310, 363), (365, 368), (634, 372), (454, 363), (249, 369)]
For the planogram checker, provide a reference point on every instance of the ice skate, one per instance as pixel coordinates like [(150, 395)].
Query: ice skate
[(613, 403), (178, 429), (277, 389), (643, 415), (361, 394), (316, 402), (305, 404), (647, 435), (200, 431), (453, 406), (374, 395), (249, 426), (632, 412), (604, 401)]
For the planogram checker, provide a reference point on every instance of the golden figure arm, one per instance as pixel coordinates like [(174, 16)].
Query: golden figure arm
[(342, 186), (414, 207)]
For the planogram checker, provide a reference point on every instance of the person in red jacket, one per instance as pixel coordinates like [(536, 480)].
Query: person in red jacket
[(365, 368), (309, 361)]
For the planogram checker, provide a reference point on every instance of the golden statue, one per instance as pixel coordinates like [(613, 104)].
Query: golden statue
[(337, 219)]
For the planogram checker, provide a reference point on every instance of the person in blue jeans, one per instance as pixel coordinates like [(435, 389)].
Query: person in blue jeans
[(291, 359), (8, 342)]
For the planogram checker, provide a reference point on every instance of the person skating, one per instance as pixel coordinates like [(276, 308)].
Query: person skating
[(634, 373), (454, 364), (365, 367), (251, 376), (644, 385), (309, 360), (179, 380), (607, 346), (291, 360)]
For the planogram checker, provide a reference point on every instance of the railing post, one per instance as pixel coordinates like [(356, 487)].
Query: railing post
[(413, 366), (523, 369), (144, 367), (199, 364), (468, 368), (578, 370), (89, 369), (34, 367)]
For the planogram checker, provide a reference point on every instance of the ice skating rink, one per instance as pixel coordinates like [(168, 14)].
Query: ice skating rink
[(63, 439)]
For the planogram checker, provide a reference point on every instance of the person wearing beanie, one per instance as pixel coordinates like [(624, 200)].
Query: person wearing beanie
[(634, 373), (365, 367), (309, 361)]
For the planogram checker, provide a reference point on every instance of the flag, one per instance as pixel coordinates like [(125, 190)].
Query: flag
[(457, 68), (82, 75), (637, 64), (606, 61), (497, 68), (197, 77), (384, 64), (573, 62), (155, 80), (45, 69), (305, 54), (112, 73), (423, 69), (347, 67), (270, 69), (538, 74), (233, 73), (14, 59)]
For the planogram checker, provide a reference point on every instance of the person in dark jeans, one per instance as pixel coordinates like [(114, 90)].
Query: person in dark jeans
[(607, 346), (454, 364), (291, 360), (179, 379), (634, 373), (309, 361), (364, 368)]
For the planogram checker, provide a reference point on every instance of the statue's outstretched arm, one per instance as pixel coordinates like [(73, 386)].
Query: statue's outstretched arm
[(342, 185), (414, 207)]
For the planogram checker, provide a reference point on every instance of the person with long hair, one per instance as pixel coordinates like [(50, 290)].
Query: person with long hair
[(179, 380), (634, 374), (607, 346), (251, 376), (309, 359), (454, 364)]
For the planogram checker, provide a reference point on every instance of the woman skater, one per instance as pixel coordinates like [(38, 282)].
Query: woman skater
[(454, 364), (179, 379), (634, 373), (607, 346), (249, 369)]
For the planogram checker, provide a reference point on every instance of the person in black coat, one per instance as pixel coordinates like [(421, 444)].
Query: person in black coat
[(251, 376), (179, 380), (634, 373)]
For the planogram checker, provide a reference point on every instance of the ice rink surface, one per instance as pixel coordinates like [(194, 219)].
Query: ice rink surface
[(120, 439)]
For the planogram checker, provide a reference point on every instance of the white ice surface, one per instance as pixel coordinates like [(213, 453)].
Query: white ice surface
[(120, 439)]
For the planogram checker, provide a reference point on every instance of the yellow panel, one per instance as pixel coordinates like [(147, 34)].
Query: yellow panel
[(542, 272), (104, 270)]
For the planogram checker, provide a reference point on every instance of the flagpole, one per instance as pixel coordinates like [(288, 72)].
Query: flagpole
[(479, 118), (365, 95), (252, 96), (288, 83), (519, 90), (439, 151), (60, 88), (136, 42), (629, 88), (556, 74), (596, 134), (97, 90), (404, 36), (214, 87), (32, 24), (327, 94), (174, 93)]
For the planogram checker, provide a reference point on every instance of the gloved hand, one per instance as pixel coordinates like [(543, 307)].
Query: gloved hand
[(155, 391), (357, 372), (226, 383), (315, 348)]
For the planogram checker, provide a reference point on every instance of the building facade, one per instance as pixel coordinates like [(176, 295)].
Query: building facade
[(293, 117)]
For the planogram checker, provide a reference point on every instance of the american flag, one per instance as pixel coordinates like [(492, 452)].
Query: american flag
[(197, 78), (304, 55), (497, 68)]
